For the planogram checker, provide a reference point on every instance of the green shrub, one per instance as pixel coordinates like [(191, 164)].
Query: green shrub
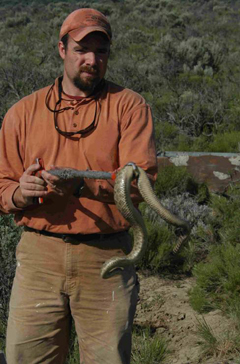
[(17, 21), (156, 257), (225, 142), (208, 341), (218, 279), (226, 216), (199, 300), (174, 180), (148, 348), (9, 237), (218, 276)]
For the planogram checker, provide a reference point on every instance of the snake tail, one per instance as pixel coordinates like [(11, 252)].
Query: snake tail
[(151, 199)]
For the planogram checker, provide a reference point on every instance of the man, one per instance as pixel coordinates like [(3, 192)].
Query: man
[(84, 122)]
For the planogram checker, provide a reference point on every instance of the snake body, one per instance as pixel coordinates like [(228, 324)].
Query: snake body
[(131, 214), (124, 204)]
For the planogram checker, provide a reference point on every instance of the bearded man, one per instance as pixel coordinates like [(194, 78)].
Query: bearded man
[(71, 228)]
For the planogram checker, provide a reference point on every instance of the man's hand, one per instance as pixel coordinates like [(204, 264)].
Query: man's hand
[(61, 186), (30, 186)]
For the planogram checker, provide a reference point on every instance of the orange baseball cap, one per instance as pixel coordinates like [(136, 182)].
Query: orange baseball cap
[(84, 21)]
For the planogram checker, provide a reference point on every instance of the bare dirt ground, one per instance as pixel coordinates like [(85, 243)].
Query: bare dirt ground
[(164, 306)]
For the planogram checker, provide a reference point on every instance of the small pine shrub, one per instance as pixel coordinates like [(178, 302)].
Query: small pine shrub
[(217, 346), (148, 348), (227, 215), (208, 339), (199, 300), (218, 279)]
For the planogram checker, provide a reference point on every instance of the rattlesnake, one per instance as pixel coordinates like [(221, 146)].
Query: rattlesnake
[(131, 214), (124, 204)]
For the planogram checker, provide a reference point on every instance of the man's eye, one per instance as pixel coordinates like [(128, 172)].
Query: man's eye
[(102, 51), (80, 50)]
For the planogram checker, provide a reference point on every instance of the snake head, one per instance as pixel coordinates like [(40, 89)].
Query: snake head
[(135, 169)]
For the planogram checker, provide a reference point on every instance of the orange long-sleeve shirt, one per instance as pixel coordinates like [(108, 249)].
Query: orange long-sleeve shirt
[(123, 133)]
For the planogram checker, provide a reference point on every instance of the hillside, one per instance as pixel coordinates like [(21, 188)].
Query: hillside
[(182, 56)]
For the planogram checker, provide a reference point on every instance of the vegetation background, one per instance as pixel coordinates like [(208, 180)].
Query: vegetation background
[(183, 57)]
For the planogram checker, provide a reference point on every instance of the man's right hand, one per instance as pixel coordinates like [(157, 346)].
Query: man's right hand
[(30, 186)]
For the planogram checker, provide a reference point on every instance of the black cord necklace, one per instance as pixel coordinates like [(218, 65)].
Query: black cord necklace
[(57, 111)]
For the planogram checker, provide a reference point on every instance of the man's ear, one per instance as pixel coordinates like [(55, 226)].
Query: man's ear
[(61, 49)]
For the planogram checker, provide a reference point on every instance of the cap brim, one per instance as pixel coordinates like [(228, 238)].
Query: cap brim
[(79, 34)]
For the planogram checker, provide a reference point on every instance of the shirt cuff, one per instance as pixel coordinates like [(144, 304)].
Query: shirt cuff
[(8, 203)]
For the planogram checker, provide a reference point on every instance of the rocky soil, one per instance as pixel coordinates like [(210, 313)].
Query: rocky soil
[(164, 306)]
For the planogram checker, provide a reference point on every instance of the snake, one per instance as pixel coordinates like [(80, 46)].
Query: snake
[(124, 204)]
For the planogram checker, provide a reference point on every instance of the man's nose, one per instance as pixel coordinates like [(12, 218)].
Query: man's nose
[(91, 58)]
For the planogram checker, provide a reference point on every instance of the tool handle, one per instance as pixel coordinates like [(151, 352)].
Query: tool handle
[(69, 173)]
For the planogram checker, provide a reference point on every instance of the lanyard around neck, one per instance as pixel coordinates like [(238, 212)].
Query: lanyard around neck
[(56, 111)]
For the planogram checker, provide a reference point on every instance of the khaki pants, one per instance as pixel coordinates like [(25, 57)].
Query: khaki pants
[(59, 280)]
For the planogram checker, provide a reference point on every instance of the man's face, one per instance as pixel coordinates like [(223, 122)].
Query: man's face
[(85, 62)]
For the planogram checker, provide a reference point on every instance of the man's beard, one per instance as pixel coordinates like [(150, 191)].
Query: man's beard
[(87, 84)]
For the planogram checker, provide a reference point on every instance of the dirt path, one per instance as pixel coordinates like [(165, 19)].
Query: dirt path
[(164, 305)]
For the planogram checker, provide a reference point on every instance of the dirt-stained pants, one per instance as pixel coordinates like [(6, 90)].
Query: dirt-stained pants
[(58, 280)]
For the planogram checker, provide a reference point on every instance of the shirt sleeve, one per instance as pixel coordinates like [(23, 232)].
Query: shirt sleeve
[(137, 145), (11, 167)]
